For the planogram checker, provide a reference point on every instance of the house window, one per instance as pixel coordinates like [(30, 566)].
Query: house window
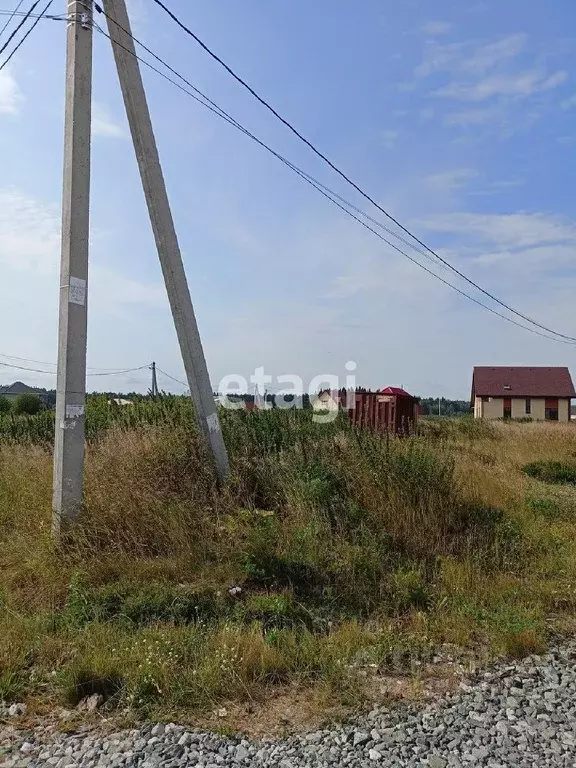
[(551, 409), (507, 413), (485, 399), (528, 406)]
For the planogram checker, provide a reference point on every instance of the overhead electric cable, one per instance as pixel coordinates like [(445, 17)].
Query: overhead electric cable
[(10, 15), (29, 32), (325, 191), (352, 183), (15, 32)]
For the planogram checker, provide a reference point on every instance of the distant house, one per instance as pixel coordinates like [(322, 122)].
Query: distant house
[(120, 401), (521, 392), (13, 391), (325, 401), (391, 409)]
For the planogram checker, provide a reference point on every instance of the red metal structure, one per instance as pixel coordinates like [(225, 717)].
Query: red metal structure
[(390, 410)]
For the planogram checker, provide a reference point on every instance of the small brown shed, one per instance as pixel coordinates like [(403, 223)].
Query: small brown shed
[(390, 410)]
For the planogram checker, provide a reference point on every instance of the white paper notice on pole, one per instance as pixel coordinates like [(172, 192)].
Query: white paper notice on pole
[(74, 411), (212, 421), (77, 291)]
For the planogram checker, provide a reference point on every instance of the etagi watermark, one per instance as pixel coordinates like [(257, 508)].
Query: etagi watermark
[(289, 389)]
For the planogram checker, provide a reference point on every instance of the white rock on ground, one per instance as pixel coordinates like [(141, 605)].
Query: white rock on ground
[(516, 715)]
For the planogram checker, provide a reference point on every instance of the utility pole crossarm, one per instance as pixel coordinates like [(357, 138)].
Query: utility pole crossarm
[(164, 231)]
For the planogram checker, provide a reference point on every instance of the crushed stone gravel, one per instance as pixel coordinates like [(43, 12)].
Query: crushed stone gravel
[(514, 715)]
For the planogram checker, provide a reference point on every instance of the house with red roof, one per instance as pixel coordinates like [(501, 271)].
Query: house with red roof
[(538, 393)]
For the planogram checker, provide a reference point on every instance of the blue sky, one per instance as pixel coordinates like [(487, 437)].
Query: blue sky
[(459, 118)]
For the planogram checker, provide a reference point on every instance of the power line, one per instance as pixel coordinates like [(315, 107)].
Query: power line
[(32, 28), (117, 373), (184, 384), (46, 362), (324, 190), (220, 112), (11, 15), (348, 179), (53, 373), (50, 16), (24, 20), (25, 368)]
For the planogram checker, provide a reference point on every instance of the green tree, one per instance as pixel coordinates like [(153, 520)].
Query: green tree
[(27, 404), (5, 406)]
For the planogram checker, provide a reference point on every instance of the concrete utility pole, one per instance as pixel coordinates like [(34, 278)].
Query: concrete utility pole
[(71, 381), (154, 389), (164, 230)]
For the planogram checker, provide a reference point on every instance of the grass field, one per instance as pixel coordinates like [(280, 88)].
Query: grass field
[(350, 550)]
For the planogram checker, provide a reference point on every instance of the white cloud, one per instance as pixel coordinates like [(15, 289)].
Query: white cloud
[(498, 186), (518, 229), (521, 84), (497, 74), (449, 181), (436, 28), (480, 116), (469, 57), (129, 316), (104, 125), (487, 57), (569, 102), (388, 138), (30, 246), (29, 234), (10, 96)]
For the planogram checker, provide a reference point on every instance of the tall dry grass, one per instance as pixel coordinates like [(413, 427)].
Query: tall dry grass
[(346, 545)]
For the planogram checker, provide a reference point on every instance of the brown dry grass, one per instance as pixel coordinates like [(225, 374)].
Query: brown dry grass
[(351, 552)]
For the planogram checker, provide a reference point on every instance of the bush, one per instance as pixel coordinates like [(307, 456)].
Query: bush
[(5, 405), (552, 471), (548, 508), (28, 404)]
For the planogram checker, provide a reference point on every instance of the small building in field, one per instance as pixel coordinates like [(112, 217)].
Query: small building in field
[(391, 410), (13, 392), (538, 393), (325, 401)]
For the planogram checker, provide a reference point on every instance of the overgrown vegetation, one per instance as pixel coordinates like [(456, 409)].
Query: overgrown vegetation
[(552, 471), (328, 549)]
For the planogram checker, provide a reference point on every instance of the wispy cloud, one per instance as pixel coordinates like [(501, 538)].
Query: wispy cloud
[(29, 234), (469, 57), (446, 182), (475, 116), (512, 233), (498, 187), (104, 125), (388, 138), (569, 102), (486, 57), (500, 74), (436, 28), (520, 85), (10, 96), (30, 249)]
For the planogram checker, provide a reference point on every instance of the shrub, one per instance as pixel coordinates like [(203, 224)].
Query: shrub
[(552, 471), (5, 405), (548, 508), (28, 404)]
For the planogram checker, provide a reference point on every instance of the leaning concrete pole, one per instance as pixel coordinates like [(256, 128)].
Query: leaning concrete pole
[(71, 380), (164, 230)]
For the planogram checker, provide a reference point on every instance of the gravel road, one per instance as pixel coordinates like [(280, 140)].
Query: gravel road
[(517, 714)]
